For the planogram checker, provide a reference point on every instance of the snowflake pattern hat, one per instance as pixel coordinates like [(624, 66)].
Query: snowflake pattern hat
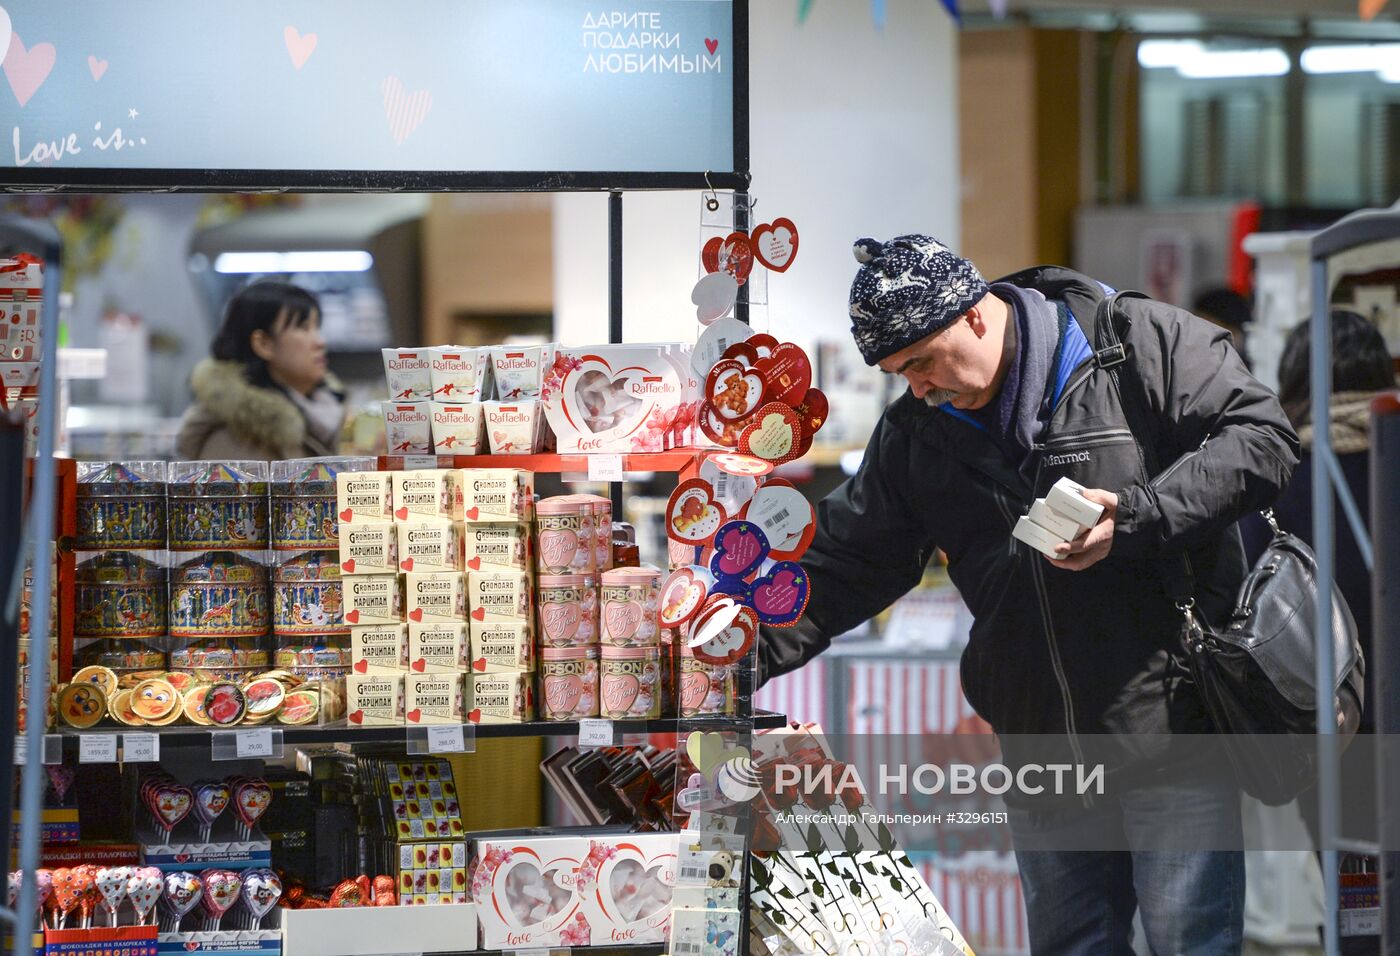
[(907, 289)]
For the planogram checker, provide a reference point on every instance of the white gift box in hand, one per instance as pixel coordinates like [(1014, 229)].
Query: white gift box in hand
[(1061, 516)]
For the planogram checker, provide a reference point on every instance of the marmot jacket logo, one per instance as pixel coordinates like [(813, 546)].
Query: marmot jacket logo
[(1073, 458)]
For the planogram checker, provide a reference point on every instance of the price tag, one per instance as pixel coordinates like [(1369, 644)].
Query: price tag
[(593, 732), (419, 462), (605, 468), (21, 748), (140, 748), (446, 739), (253, 743), (97, 748)]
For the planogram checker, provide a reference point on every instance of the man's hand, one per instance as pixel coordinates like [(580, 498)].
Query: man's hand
[(1093, 546)]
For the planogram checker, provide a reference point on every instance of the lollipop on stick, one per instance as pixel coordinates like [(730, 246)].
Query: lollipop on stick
[(250, 800), (210, 800), (261, 890), (64, 899), (221, 889), (112, 884), (182, 893), (85, 882), (143, 889)]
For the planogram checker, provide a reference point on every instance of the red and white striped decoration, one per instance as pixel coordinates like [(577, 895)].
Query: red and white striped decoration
[(801, 694), (404, 110)]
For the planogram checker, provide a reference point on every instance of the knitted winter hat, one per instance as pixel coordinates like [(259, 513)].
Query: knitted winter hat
[(907, 289)]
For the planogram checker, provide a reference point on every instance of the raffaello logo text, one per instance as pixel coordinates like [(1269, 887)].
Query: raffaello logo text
[(520, 361), (510, 416), (405, 416), (652, 385), (406, 362)]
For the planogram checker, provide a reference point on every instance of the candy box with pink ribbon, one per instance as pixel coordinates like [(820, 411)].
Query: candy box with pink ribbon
[(614, 398)]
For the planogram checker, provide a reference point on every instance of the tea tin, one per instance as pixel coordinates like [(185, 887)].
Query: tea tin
[(631, 601), (121, 505), (567, 609), (568, 683), (564, 535), (602, 531), (704, 690), (630, 682), (120, 594), (307, 596), (219, 595), (218, 506), (303, 509)]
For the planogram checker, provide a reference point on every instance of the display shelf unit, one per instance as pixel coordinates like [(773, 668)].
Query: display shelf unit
[(680, 460)]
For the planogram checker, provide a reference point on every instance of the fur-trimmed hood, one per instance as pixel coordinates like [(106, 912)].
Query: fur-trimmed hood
[(232, 418)]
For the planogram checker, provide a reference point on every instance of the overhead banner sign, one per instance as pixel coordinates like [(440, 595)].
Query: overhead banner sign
[(307, 87)]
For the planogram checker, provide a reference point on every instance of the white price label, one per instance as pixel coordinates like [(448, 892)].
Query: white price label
[(593, 732), (253, 743), (419, 462), (21, 748), (446, 740), (97, 748), (140, 748), (605, 468)]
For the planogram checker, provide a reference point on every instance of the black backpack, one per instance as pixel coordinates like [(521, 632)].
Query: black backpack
[(1257, 675)]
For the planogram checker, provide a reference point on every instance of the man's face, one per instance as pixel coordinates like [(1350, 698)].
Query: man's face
[(957, 364)]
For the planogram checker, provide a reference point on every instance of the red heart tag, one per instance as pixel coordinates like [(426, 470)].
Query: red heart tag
[(406, 564), (734, 390), (775, 243), (473, 514), (358, 717), (347, 515), (732, 254), (348, 566), (787, 373), (775, 434), (353, 616), (479, 614), (416, 615), (812, 410), (741, 352), (475, 716), (729, 643), (401, 514), (419, 665), (474, 563), (681, 597), (362, 667), (692, 514), (479, 664), (414, 715)]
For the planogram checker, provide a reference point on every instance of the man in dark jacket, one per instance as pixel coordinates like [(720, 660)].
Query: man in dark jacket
[(1012, 387)]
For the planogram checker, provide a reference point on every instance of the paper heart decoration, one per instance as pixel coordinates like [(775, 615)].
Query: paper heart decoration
[(172, 803), (416, 615), (734, 390), (347, 515), (250, 800), (713, 296), (775, 243), (692, 514), (621, 618), (788, 372), (780, 596), (406, 564), (732, 254), (740, 547), (705, 750), (725, 635), (774, 434), (716, 429), (414, 715), (560, 621), (262, 888), (813, 411), (182, 892), (221, 890), (112, 883), (210, 801), (682, 594), (786, 516), (419, 665), (743, 466), (562, 692), (353, 617)]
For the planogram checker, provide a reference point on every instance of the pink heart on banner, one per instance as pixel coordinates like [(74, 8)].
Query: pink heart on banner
[(96, 67), (299, 46), (404, 111), (28, 69)]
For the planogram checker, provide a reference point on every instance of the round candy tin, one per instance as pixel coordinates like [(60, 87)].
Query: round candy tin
[(224, 704), (564, 535), (631, 603), (154, 699), (303, 501), (121, 504), (194, 705), (218, 506), (238, 653), (219, 595), (631, 682), (103, 677), (120, 655), (119, 594), (264, 697), (704, 690), (300, 707), (307, 597), (119, 705), (82, 705), (569, 682), (567, 609)]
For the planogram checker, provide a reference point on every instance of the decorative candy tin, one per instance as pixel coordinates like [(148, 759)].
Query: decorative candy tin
[(631, 600), (567, 606), (307, 596), (224, 704), (564, 530), (304, 501), (602, 532), (631, 682), (154, 699), (82, 705), (568, 683), (704, 689), (219, 595), (120, 594), (218, 506), (121, 505), (311, 655), (120, 656), (220, 654)]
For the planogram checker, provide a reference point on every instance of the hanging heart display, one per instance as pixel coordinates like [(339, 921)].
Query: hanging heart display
[(779, 596), (786, 516), (734, 390), (724, 632), (682, 594), (775, 243), (774, 434), (740, 548), (716, 429), (787, 372), (692, 514), (732, 254)]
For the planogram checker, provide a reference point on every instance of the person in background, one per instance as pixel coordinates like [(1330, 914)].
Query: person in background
[(1228, 309), (265, 392)]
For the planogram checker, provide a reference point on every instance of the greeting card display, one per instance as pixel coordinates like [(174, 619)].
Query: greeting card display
[(759, 399), (613, 398)]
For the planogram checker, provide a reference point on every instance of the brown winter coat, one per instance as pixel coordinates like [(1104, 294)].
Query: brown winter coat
[(232, 419)]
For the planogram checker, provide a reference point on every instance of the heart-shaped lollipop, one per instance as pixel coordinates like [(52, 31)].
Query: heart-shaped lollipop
[(112, 883), (16, 878), (221, 890), (61, 780), (262, 888), (66, 896), (143, 889), (172, 802), (210, 800), (85, 882), (182, 893), (250, 801)]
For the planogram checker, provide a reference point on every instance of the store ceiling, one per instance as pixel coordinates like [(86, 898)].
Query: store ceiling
[(1230, 8)]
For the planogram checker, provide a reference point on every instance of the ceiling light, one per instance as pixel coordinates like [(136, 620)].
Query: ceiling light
[(246, 263)]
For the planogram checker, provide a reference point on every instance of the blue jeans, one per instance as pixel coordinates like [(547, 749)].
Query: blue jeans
[(1178, 867)]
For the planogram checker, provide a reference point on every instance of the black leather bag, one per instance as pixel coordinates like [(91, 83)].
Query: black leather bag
[(1257, 676)]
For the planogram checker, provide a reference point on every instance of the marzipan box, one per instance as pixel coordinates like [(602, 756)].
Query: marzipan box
[(369, 548), (433, 699), (364, 496), (373, 599), (437, 648), (500, 698), (381, 649), (499, 648), (374, 700)]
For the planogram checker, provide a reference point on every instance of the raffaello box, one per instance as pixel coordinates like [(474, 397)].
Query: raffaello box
[(409, 375), (456, 428), (526, 892), (614, 398), (514, 428), (459, 373), (408, 428), (520, 370)]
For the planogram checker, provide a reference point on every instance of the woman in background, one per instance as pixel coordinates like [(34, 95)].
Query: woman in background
[(265, 393)]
